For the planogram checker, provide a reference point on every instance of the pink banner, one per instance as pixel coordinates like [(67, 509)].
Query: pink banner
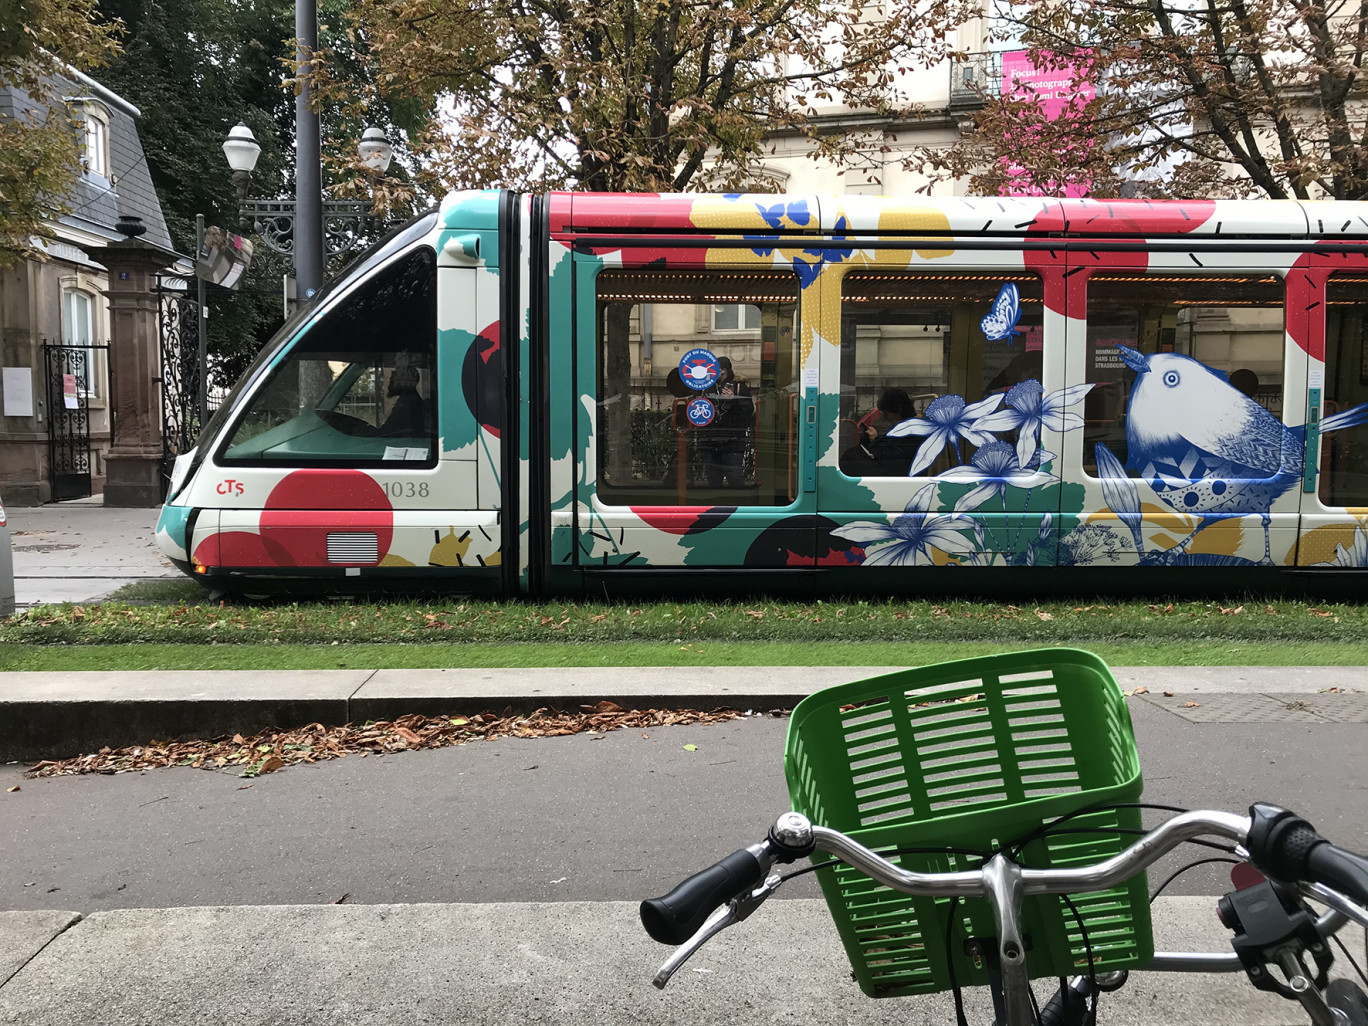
[(1061, 91)]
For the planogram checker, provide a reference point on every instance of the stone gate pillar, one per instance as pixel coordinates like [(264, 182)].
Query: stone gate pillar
[(133, 467)]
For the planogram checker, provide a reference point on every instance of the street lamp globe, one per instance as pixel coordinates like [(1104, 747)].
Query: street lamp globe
[(241, 148), (375, 150)]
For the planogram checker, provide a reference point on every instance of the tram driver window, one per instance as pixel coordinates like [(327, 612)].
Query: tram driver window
[(719, 439), (910, 340), (1231, 324), (359, 387)]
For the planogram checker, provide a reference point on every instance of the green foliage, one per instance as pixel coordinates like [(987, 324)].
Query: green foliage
[(1257, 98), (619, 95), (39, 144), (196, 68)]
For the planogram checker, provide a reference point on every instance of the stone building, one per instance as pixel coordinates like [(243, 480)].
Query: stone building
[(55, 317)]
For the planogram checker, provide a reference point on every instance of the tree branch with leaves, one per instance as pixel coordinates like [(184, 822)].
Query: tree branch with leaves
[(651, 95), (1235, 98)]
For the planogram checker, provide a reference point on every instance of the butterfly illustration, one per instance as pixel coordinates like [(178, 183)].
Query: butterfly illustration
[(1002, 320)]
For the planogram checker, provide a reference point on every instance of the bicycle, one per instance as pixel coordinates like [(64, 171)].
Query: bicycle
[(1000, 793)]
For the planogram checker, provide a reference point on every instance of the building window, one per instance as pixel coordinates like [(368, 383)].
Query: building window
[(735, 317), (78, 319), (96, 143)]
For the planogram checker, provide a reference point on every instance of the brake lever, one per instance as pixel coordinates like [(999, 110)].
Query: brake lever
[(734, 911)]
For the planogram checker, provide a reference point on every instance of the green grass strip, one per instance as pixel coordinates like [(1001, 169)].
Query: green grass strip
[(468, 623), (719, 653)]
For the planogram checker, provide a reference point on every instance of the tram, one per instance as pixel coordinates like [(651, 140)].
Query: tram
[(591, 394)]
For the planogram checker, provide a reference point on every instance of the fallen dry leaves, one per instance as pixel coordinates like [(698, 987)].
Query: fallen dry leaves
[(272, 750)]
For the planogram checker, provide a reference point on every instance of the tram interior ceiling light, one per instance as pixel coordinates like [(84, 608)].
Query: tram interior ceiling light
[(708, 298), (875, 277), (274, 219)]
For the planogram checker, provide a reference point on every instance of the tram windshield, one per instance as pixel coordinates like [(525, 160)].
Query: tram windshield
[(395, 242), (358, 388)]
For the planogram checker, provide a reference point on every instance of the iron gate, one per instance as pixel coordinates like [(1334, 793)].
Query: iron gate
[(180, 375), (71, 380)]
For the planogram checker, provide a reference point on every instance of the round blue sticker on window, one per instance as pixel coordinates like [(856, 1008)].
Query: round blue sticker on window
[(698, 369), (700, 412)]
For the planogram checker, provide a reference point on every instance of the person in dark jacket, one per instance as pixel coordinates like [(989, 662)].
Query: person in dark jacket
[(722, 443), (878, 455)]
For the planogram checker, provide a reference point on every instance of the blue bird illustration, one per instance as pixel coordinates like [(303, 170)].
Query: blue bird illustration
[(1205, 447)]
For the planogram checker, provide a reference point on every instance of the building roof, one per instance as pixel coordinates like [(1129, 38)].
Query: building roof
[(97, 202)]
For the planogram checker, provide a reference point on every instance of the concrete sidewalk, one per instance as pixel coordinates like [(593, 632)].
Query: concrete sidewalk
[(569, 962), (82, 551)]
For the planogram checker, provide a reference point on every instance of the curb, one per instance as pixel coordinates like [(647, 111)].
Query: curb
[(49, 715)]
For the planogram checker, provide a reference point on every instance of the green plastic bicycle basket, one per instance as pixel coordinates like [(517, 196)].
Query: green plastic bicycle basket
[(978, 755)]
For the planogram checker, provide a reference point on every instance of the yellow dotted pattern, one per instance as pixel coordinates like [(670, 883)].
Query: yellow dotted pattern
[(1318, 544)]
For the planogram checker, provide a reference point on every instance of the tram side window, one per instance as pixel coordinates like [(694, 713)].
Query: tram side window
[(1230, 324), (1344, 453), (726, 439), (359, 387), (909, 341)]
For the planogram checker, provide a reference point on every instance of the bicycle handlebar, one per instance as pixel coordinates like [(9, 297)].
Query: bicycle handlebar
[(1279, 843)]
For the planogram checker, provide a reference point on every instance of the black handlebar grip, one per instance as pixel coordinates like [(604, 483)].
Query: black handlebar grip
[(677, 916), (1290, 849), (1340, 870)]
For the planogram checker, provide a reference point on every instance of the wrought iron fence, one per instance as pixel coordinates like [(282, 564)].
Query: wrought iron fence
[(178, 330), (74, 375)]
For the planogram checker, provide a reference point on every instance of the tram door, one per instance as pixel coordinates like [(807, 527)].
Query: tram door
[(1334, 485), (692, 417), (939, 452)]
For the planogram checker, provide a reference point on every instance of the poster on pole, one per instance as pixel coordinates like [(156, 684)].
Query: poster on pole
[(224, 258)]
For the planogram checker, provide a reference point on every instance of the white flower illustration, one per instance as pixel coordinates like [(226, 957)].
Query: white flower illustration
[(911, 534)]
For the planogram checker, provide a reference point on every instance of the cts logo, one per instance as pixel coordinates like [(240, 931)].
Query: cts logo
[(231, 487)]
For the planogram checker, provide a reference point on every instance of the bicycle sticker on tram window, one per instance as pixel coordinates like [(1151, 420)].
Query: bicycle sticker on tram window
[(699, 369), (700, 412)]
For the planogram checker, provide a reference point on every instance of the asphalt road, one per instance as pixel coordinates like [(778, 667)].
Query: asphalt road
[(618, 817)]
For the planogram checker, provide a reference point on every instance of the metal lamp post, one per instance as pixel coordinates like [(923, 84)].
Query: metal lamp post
[(307, 226)]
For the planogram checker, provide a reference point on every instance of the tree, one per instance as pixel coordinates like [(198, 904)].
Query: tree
[(1193, 98), (195, 68), (40, 142), (638, 94)]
